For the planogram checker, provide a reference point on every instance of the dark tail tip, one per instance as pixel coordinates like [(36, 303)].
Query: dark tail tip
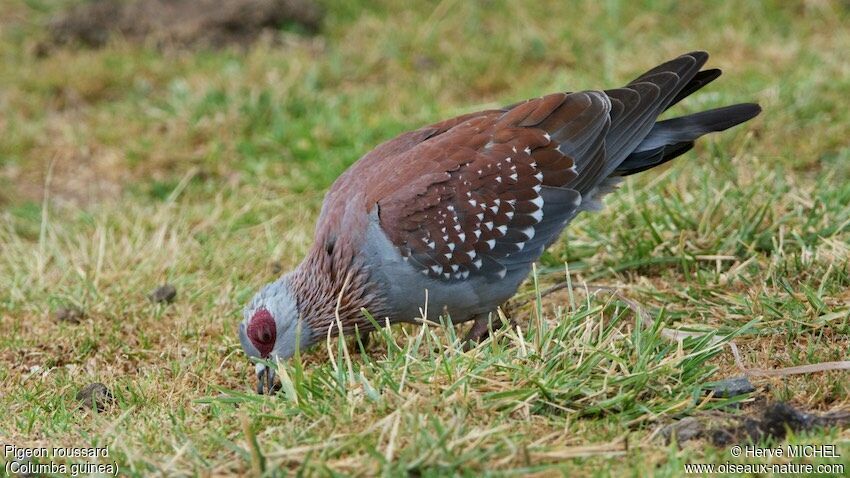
[(733, 115), (754, 108)]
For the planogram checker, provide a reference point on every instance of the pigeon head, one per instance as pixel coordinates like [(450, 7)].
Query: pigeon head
[(262, 331), (271, 329)]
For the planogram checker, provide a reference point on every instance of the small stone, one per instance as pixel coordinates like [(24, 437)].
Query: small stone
[(682, 430), (95, 396), (164, 294), (731, 387), (70, 314), (276, 267)]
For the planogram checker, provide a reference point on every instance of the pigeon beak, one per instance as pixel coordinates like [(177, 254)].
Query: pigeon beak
[(265, 379)]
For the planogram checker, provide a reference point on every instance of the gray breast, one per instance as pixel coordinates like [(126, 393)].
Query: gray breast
[(405, 288)]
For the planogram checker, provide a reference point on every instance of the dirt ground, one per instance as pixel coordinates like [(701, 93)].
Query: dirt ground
[(209, 23)]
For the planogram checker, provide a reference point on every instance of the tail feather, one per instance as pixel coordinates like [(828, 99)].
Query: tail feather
[(701, 79), (691, 127), (635, 107), (639, 162), (671, 138)]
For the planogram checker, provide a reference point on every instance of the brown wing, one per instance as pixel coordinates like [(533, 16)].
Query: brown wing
[(491, 192)]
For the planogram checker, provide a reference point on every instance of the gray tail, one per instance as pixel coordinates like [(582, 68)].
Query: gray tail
[(674, 137)]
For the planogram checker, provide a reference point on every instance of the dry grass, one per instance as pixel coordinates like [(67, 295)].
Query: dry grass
[(126, 167)]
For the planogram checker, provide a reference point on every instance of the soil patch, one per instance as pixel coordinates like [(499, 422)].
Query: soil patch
[(208, 23), (764, 421)]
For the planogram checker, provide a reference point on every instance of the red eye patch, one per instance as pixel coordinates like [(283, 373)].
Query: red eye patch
[(262, 331)]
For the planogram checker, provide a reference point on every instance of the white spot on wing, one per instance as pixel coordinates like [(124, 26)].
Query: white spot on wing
[(537, 215), (529, 232), (538, 201)]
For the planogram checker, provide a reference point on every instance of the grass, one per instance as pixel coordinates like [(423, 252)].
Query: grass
[(127, 167)]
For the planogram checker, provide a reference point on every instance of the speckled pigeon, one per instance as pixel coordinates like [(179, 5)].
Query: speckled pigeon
[(460, 210)]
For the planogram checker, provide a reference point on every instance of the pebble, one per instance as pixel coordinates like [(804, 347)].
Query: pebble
[(95, 396), (731, 387), (682, 430), (70, 314), (164, 294)]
